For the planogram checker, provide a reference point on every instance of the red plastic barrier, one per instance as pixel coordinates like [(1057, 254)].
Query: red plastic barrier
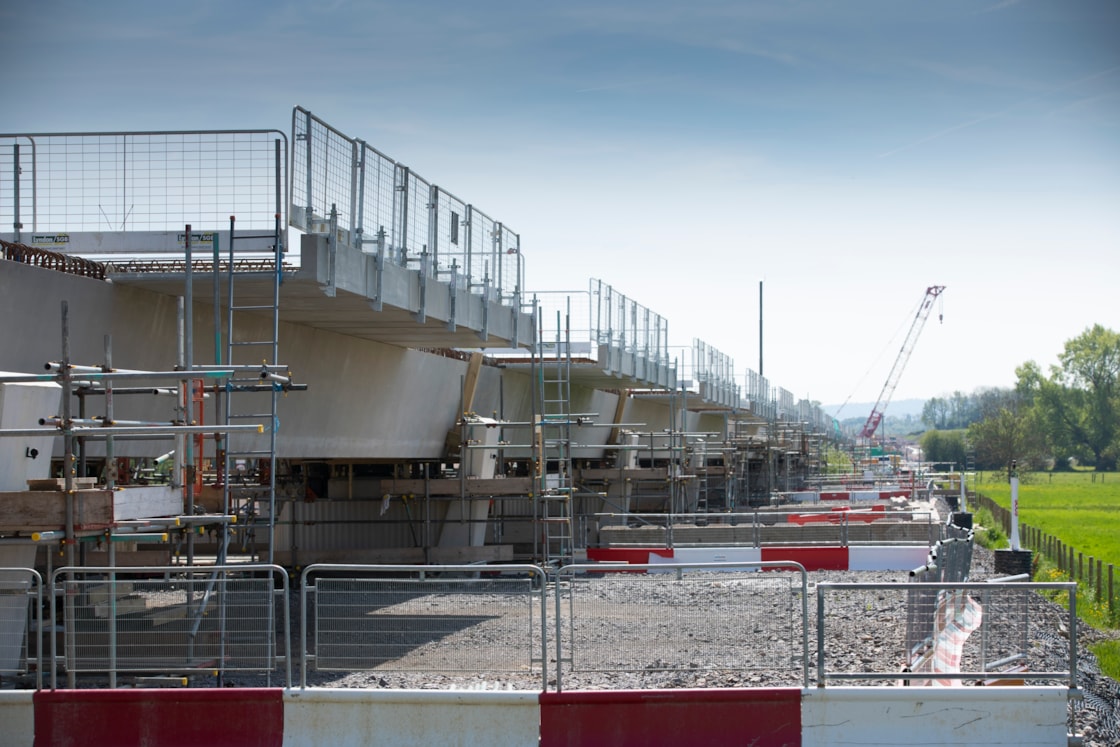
[(217, 717), (835, 495), (868, 515), (813, 558), (649, 718), (637, 555)]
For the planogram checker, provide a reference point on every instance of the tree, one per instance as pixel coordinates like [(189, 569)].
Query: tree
[(935, 412), (1010, 432), (943, 446), (1080, 401)]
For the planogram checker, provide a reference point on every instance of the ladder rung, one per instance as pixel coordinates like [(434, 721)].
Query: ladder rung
[(242, 343), (261, 307), (263, 452)]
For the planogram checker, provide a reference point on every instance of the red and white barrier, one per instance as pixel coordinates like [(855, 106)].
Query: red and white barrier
[(813, 558), (820, 717)]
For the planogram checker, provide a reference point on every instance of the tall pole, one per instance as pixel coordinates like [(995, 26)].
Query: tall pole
[(760, 371), (1014, 506)]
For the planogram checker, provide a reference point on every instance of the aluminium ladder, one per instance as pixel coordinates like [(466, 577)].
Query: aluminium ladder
[(552, 437)]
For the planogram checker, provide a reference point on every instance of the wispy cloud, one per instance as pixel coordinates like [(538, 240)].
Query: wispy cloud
[(627, 84), (1002, 5), (995, 115)]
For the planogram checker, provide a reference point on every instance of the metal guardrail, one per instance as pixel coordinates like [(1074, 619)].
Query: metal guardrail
[(181, 620), (732, 619), (947, 632), (21, 623), (140, 181), (475, 619), (382, 206)]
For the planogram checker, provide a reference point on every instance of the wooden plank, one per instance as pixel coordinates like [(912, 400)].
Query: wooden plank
[(470, 381), (43, 510)]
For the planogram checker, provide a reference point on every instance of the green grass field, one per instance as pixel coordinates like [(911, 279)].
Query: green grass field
[(1075, 507)]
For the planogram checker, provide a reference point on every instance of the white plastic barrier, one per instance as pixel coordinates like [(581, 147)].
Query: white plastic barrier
[(394, 718), (17, 718), (901, 716), (886, 558), (710, 555)]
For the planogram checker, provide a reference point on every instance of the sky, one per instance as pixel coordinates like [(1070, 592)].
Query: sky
[(844, 155)]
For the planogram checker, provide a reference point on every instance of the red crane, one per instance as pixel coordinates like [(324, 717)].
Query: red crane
[(876, 415)]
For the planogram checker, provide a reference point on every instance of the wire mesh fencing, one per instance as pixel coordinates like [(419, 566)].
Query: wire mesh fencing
[(201, 621), (448, 620), (951, 632), (379, 204), (707, 619), (21, 623), (141, 181)]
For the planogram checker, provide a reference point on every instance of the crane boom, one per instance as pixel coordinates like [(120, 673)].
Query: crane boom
[(919, 322)]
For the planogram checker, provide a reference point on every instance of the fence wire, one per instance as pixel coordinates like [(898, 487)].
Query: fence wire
[(159, 620), (141, 181), (446, 619), (703, 617), (21, 623), (952, 632), (382, 205)]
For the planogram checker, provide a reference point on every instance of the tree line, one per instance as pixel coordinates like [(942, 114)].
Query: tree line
[(1055, 419)]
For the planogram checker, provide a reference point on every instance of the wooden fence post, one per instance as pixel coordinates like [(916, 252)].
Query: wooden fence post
[(1110, 598), (1100, 586)]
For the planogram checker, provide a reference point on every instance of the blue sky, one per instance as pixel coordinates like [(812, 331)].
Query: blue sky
[(848, 154)]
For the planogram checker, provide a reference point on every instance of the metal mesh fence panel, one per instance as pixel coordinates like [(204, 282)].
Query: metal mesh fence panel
[(949, 632), (480, 231), (173, 620), (322, 173), (21, 604), (435, 619), (376, 195), (682, 618), (449, 241), (142, 181), (424, 228), (413, 216)]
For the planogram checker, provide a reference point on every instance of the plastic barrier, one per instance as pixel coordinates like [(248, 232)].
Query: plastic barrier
[(1023, 716), (237, 717), (394, 718), (901, 716), (648, 718)]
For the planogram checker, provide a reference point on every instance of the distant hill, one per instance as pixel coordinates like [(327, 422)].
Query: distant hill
[(899, 409)]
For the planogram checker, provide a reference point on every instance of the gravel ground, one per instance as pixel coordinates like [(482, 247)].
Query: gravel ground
[(859, 645)]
